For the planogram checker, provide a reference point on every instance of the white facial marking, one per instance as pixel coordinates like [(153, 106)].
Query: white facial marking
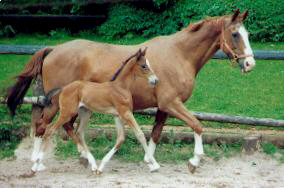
[(249, 62), (243, 32), (153, 79)]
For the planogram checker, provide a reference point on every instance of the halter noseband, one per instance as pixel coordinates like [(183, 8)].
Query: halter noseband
[(224, 44)]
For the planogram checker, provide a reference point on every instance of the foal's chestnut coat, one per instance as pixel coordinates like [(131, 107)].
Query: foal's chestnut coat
[(113, 97)]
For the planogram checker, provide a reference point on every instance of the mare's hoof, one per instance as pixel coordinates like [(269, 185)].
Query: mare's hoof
[(98, 172), (84, 162), (28, 174), (191, 167)]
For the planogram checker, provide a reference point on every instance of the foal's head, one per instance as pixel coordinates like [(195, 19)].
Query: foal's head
[(139, 66), (143, 68), (234, 41)]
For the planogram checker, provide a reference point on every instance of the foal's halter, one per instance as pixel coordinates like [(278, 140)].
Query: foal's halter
[(224, 45)]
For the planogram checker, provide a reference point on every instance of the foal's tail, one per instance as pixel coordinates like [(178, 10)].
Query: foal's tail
[(50, 94), (17, 92)]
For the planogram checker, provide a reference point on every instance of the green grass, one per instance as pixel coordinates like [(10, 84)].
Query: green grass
[(61, 37)]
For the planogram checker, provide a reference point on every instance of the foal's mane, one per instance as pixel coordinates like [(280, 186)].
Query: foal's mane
[(123, 65)]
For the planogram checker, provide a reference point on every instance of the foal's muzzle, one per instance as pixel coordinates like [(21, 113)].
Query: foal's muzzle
[(153, 80)]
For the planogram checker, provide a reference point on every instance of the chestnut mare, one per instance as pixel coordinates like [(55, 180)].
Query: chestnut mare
[(113, 97), (176, 60)]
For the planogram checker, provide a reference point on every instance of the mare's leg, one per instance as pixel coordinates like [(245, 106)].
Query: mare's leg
[(119, 140), (37, 110), (48, 114), (85, 115), (177, 109), (63, 118), (36, 116), (160, 120), (128, 117)]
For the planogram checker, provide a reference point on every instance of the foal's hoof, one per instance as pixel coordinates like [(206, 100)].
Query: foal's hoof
[(191, 167), (84, 162), (28, 174), (98, 172), (146, 159), (154, 168)]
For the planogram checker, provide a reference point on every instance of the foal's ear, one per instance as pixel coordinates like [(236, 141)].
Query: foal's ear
[(244, 15), (139, 54), (195, 27), (144, 51), (235, 15)]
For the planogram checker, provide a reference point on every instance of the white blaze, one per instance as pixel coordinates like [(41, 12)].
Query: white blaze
[(247, 51), (153, 78)]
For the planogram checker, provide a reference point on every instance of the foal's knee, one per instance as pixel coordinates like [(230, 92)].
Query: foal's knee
[(120, 141)]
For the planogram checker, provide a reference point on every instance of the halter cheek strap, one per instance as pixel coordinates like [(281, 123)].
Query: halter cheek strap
[(224, 45)]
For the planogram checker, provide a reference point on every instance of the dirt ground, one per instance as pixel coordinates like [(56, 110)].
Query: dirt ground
[(256, 170)]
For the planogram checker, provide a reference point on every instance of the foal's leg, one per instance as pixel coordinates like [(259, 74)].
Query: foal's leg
[(160, 120), (119, 140), (129, 118), (84, 116), (177, 109)]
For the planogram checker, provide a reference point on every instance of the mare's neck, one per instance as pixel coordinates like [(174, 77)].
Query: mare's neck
[(198, 47)]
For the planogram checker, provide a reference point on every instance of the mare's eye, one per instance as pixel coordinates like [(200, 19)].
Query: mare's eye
[(235, 34)]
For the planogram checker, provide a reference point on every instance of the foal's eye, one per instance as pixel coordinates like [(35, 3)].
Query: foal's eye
[(144, 66), (235, 34)]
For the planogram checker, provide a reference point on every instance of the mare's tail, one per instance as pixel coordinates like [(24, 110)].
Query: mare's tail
[(17, 92)]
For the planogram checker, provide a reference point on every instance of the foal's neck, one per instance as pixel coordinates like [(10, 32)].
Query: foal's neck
[(198, 47), (126, 76)]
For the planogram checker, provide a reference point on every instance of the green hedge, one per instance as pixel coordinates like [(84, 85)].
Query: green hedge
[(265, 21)]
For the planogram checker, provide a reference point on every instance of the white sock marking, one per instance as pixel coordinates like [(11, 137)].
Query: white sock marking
[(37, 145), (107, 158), (198, 150)]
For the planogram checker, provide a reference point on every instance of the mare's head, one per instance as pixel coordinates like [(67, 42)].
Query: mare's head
[(143, 68), (234, 41)]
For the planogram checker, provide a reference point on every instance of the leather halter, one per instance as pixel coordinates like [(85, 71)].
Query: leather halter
[(224, 45)]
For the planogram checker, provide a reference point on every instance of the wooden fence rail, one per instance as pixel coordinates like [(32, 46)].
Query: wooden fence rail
[(199, 115), (31, 49)]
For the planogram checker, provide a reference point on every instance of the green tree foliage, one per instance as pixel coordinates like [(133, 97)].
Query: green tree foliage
[(265, 21)]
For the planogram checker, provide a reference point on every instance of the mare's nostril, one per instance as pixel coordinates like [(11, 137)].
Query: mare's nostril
[(247, 63)]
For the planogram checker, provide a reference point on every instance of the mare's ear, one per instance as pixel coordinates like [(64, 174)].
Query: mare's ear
[(235, 15), (144, 51), (195, 27), (244, 15)]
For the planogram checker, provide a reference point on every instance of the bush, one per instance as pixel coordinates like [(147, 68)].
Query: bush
[(265, 21)]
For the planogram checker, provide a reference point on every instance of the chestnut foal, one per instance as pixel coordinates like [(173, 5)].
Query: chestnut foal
[(113, 97)]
